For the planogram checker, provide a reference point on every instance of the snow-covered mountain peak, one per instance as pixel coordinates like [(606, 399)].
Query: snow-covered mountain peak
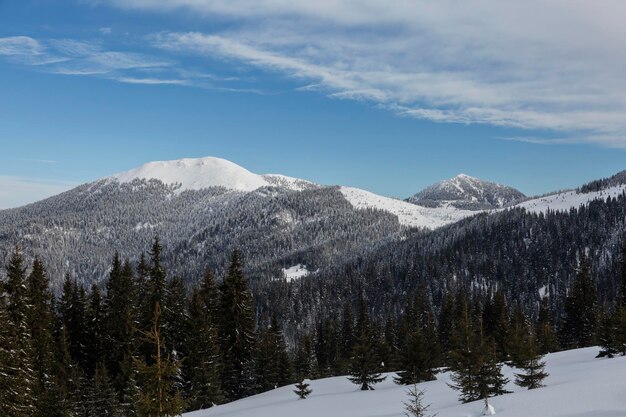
[(201, 173), (467, 192), (196, 174)]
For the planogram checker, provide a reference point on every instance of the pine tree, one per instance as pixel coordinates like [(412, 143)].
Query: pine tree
[(156, 282), (531, 364), (476, 372), (364, 363), (496, 322), (415, 407), (121, 316), (578, 328), (203, 361), (237, 334), (95, 339), (546, 338), (158, 396), (518, 336), (419, 351), (347, 336), (273, 363), (302, 390), (175, 316), (41, 327), (100, 398), (304, 362), (17, 375), (446, 322)]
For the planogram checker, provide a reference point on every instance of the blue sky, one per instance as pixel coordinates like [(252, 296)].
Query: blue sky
[(389, 98)]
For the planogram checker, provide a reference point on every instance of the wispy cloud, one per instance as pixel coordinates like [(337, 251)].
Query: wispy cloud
[(552, 66), (150, 81), (534, 65), (20, 45), (92, 58)]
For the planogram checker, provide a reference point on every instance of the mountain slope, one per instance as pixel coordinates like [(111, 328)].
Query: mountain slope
[(469, 193), (579, 385)]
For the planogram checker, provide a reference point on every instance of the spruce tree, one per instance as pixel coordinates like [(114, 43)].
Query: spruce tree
[(203, 361), (415, 407), (95, 339), (419, 352), (578, 328), (546, 337), (365, 363), (496, 323), (41, 327), (347, 336), (476, 372), (302, 390), (237, 334), (121, 316), (100, 398), (175, 315), (531, 364), (304, 362), (273, 363), (17, 377)]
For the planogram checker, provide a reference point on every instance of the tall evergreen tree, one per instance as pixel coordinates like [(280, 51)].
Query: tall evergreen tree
[(476, 372), (305, 362), (95, 332), (578, 328), (273, 363), (546, 337), (17, 376), (100, 398), (41, 327), (237, 334), (203, 361), (175, 316), (530, 363), (365, 364)]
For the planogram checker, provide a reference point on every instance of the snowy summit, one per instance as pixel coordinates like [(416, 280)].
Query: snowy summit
[(202, 173)]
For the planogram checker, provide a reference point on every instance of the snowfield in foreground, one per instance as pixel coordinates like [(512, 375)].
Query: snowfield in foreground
[(578, 386)]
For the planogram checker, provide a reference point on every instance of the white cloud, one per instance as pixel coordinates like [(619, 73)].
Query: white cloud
[(18, 191), (149, 81), (20, 45), (536, 64)]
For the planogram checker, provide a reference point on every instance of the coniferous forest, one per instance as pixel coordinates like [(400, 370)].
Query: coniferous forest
[(144, 343)]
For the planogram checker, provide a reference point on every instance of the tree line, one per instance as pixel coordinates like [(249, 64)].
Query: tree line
[(145, 345)]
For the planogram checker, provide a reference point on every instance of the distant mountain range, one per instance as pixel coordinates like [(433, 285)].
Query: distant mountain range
[(204, 208)]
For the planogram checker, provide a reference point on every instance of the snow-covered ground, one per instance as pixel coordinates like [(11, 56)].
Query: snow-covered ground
[(578, 386), (295, 272), (408, 214), (569, 199)]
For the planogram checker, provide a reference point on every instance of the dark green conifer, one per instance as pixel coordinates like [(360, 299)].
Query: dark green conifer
[(531, 364), (237, 333), (578, 328), (302, 390), (18, 379), (203, 361), (365, 364)]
